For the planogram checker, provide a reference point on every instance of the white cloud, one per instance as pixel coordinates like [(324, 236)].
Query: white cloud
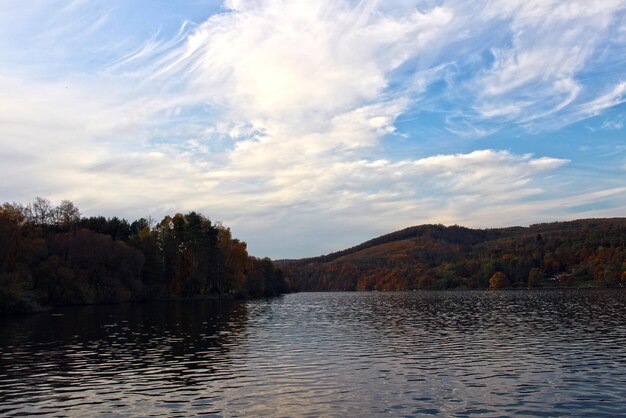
[(551, 43), (270, 115), (611, 124), (614, 97), (291, 62)]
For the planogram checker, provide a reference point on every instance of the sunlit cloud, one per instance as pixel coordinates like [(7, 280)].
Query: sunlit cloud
[(276, 115)]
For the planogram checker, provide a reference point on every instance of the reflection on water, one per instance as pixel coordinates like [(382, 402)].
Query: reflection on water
[(333, 354)]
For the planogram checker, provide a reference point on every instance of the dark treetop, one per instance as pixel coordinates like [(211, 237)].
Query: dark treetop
[(53, 256)]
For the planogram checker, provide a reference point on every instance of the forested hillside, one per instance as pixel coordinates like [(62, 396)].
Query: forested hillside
[(53, 256), (589, 252)]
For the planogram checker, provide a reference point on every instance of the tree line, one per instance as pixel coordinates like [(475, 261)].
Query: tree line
[(51, 255), (582, 253)]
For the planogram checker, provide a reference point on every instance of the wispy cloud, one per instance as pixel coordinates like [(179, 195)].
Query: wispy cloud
[(270, 114), (616, 96)]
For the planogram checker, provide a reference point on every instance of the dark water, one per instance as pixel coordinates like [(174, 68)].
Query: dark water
[(314, 354)]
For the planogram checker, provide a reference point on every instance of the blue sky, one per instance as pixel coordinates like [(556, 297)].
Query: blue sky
[(309, 127)]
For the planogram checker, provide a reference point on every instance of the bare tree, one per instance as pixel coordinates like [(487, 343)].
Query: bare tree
[(67, 214), (40, 212)]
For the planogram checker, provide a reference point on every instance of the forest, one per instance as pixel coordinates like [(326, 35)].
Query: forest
[(581, 253), (51, 255)]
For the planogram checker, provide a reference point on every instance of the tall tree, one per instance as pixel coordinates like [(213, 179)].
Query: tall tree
[(41, 211), (67, 214)]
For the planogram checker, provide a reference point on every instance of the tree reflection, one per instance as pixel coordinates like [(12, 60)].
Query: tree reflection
[(144, 348)]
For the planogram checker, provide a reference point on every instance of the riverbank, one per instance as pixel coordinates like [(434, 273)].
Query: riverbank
[(29, 305)]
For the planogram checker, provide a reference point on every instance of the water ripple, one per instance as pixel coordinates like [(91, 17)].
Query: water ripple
[(540, 353)]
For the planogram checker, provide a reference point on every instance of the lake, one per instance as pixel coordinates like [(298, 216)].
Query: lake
[(536, 353)]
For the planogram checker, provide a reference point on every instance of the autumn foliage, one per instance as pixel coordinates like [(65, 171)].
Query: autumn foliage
[(497, 281), (583, 253), (52, 256)]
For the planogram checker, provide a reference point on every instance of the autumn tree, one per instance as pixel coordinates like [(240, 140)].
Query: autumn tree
[(255, 279), (146, 241), (201, 241), (535, 275), (53, 256), (233, 261), (497, 280)]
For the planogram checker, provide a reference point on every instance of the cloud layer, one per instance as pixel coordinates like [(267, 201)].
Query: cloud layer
[(280, 117)]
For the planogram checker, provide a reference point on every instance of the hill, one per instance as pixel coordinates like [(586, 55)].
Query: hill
[(585, 252)]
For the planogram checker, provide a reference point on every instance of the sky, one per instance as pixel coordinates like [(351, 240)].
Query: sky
[(311, 126)]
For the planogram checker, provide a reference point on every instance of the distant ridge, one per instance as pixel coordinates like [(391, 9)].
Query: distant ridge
[(414, 257)]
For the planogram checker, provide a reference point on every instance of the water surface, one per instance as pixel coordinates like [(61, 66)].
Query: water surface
[(536, 353)]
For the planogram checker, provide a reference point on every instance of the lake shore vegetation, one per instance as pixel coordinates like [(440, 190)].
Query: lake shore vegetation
[(51, 255)]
